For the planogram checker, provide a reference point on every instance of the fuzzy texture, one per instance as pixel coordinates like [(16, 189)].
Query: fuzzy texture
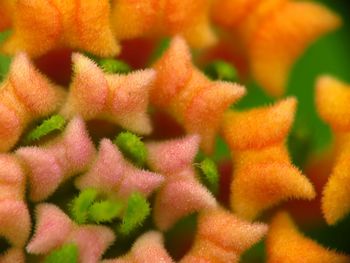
[(113, 175), (25, 95), (332, 101), (55, 24), (274, 34), (54, 229), (263, 173), (147, 248), (286, 244), (222, 237), (13, 255), (181, 190), (196, 102), (49, 165), (144, 18), (121, 99)]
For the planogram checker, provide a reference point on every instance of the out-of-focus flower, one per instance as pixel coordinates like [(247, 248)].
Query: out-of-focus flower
[(14, 215), (121, 99), (286, 244), (189, 96), (273, 34), (25, 95), (332, 100), (6, 11), (154, 18), (54, 229), (42, 26), (49, 165), (181, 190), (222, 237), (147, 248), (113, 175), (263, 173)]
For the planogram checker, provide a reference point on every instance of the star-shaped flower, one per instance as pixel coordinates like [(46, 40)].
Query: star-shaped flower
[(145, 18), (54, 229), (43, 26), (181, 190), (49, 165), (14, 215), (273, 34), (332, 100), (263, 173), (189, 96), (113, 175), (147, 248), (222, 237), (25, 95), (286, 244), (121, 99)]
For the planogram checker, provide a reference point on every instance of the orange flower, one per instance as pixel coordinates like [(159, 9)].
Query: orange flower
[(286, 244), (333, 100), (222, 237), (189, 96), (41, 26), (144, 18), (263, 174), (273, 34), (6, 11), (25, 95)]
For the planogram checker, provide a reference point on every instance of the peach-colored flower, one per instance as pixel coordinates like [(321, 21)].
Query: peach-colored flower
[(273, 34), (25, 95), (332, 100), (42, 26), (263, 173), (181, 190), (189, 96), (121, 99), (286, 244), (222, 237), (154, 18), (54, 229), (49, 165), (147, 248), (113, 175)]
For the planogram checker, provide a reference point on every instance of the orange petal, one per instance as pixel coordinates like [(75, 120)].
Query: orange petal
[(222, 237), (282, 38), (6, 13), (286, 244)]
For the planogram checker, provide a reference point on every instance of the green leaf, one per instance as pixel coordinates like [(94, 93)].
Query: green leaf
[(67, 253), (132, 147), (54, 123), (110, 65), (104, 211), (221, 70), (137, 210), (80, 205), (210, 174)]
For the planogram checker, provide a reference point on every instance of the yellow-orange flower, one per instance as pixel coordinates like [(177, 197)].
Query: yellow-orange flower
[(145, 18), (189, 96), (333, 100), (286, 244), (263, 174), (41, 26), (273, 34)]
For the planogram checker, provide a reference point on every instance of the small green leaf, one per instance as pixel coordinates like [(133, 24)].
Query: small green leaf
[(132, 146), (137, 210), (221, 70), (54, 123), (80, 205), (104, 211), (210, 174), (67, 253), (110, 65)]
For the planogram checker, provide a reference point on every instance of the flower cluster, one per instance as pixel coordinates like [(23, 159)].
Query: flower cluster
[(75, 175)]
